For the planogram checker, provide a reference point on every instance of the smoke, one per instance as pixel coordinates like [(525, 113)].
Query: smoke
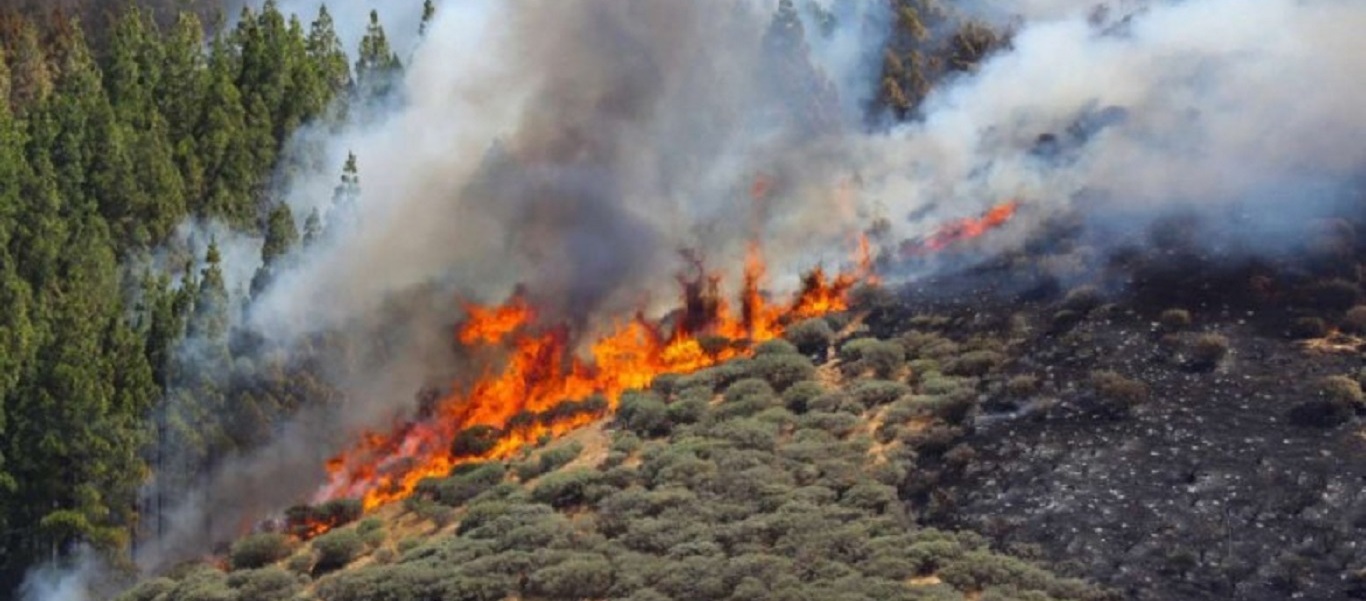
[(575, 146), (81, 580), (1244, 113)]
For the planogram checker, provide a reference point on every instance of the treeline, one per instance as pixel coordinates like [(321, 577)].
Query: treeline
[(104, 151)]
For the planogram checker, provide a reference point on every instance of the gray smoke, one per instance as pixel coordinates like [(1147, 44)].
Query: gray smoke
[(575, 145)]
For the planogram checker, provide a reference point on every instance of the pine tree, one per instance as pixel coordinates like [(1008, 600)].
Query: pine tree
[(32, 79), (377, 66), (224, 146), (281, 236), (326, 52), (313, 227)]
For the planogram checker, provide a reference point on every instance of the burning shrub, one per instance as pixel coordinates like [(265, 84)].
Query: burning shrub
[(475, 441), (549, 460), (259, 550), (1208, 351), (974, 363), (811, 336), (1355, 320), (643, 413), (1174, 320), (1118, 394), (267, 584), (336, 549), (782, 371)]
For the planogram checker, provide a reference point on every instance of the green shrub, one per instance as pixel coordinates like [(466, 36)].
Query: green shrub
[(782, 371), (259, 550), (777, 346), (798, 398), (689, 410), (566, 488), (155, 589), (267, 584), (586, 577), (873, 393), (336, 549), (456, 490), (1174, 320), (974, 363), (883, 358), (811, 336), (549, 460), (748, 388), (643, 413)]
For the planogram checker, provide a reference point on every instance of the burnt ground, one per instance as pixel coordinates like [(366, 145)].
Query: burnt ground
[(1225, 483)]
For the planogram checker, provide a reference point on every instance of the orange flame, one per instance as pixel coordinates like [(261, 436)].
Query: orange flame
[(963, 229), (530, 396)]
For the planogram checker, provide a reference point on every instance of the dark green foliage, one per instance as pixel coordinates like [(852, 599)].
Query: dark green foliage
[(810, 336), (336, 549), (268, 584), (475, 441), (798, 398), (549, 460), (566, 488), (643, 413), (259, 550), (782, 370), (458, 489), (872, 393), (974, 363)]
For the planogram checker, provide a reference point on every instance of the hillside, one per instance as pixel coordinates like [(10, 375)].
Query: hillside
[(763, 478)]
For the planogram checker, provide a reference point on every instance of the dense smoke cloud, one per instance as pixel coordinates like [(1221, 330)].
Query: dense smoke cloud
[(575, 146)]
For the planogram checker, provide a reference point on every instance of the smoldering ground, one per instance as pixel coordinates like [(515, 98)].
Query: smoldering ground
[(575, 146)]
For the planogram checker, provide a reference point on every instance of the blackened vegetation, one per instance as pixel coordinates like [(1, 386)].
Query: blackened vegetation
[(1185, 428)]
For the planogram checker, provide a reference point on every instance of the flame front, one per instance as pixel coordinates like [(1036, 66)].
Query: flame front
[(963, 229), (533, 393)]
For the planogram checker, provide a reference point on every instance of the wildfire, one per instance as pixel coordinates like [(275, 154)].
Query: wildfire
[(543, 389), (963, 229), (532, 394)]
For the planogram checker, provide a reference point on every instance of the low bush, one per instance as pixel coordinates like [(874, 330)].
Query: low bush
[(456, 490), (798, 398), (1309, 327), (336, 549), (974, 363), (782, 371), (549, 460), (1118, 394), (1207, 351), (266, 584), (1355, 320), (811, 336), (644, 414), (259, 550), (1174, 320), (566, 488), (1082, 299)]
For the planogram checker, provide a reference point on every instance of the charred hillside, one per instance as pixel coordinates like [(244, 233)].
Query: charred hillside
[(1183, 426)]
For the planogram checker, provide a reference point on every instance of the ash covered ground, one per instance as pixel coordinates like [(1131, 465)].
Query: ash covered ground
[(1177, 424)]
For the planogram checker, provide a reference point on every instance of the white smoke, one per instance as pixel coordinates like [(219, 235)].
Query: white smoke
[(76, 580)]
